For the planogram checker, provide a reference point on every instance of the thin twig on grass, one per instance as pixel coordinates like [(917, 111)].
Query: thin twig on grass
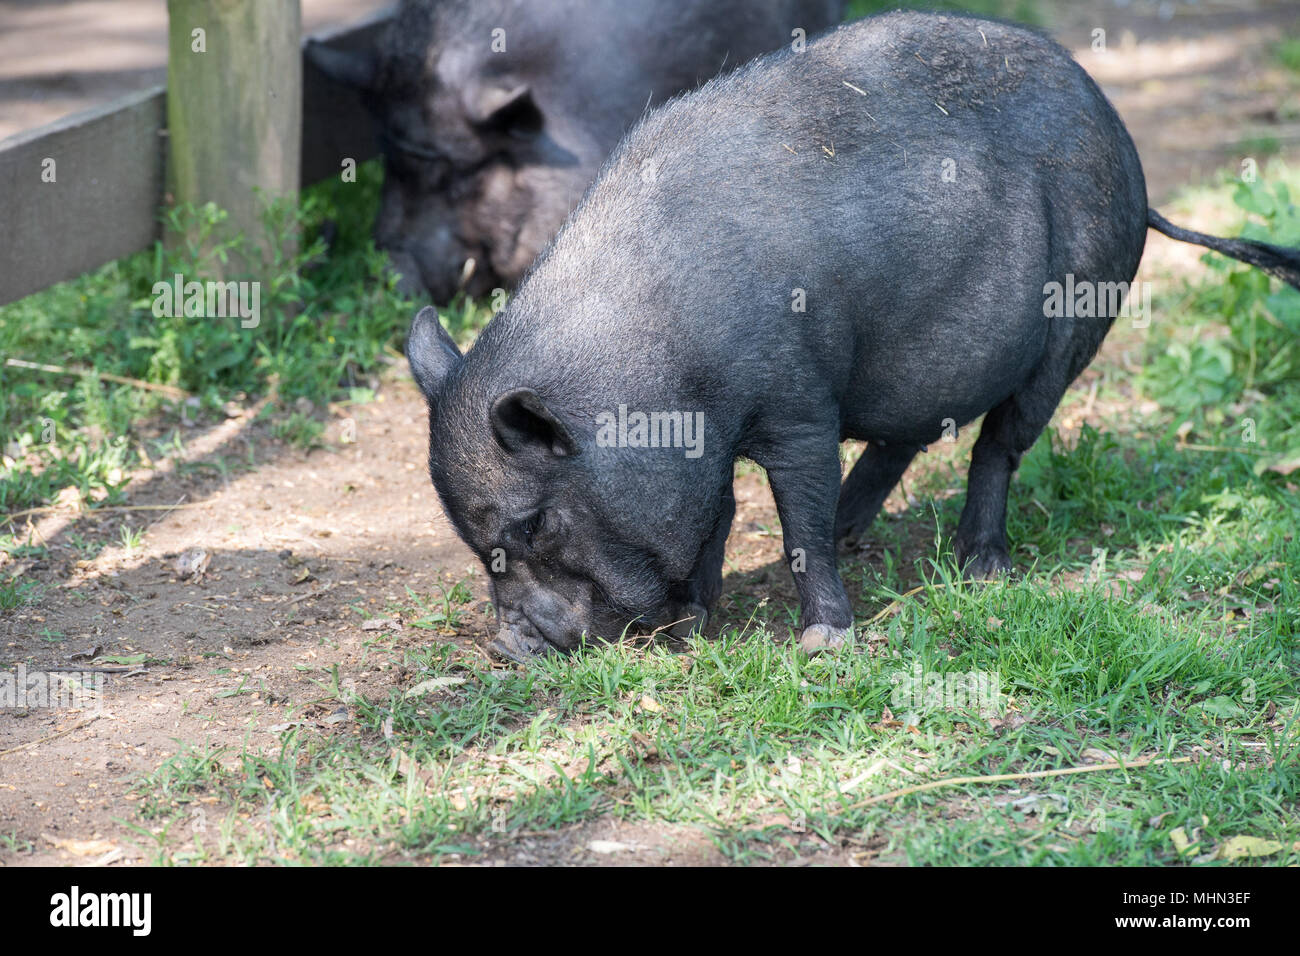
[(1231, 450), (895, 605), (55, 509), (1005, 777), (312, 594), (171, 391), (46, 739)]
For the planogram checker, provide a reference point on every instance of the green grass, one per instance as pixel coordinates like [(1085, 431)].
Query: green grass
[(443, 611), (1288, 53), (131, 539), (1026, 11), (733, 733), (300, 430), (15, 593), (1231, 370)]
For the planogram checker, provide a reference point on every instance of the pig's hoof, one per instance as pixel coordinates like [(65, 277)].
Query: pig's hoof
[(985, 564), (823, 637), (850, 544), (696, 617)]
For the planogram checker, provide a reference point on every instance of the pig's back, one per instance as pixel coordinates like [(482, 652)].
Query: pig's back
[(913, 181)]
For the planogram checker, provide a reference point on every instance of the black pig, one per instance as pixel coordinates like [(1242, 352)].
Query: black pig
[(917, 184), (496, 114)]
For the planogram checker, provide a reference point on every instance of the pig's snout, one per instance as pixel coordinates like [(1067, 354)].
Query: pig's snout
[(517, 645), (428, 258), (441, 279), (410, 283)]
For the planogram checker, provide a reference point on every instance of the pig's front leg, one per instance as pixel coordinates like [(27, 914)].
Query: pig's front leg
[(705, 584), (805, 479)]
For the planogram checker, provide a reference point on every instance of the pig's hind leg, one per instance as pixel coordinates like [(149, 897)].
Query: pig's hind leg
[(869, 483), (1008, 431), (981, 542)]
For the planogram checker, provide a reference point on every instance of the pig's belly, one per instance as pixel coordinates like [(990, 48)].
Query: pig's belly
[(913, 392)]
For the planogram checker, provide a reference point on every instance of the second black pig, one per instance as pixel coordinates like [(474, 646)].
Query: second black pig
[(496, 114)]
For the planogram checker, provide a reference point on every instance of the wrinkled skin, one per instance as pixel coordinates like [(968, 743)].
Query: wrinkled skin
[(485, 152), (924, 304)]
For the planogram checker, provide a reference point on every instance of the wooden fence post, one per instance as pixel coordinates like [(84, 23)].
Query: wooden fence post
[(234, 107)]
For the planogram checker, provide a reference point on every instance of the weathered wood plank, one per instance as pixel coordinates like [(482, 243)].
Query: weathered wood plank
[(109, 174), (107, 167)]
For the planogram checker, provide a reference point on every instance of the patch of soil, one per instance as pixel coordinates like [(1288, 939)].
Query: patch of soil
[(293, 545)]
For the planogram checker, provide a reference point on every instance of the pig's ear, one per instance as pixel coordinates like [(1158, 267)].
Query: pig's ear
[(504, 109), (357, 70), (521, 420), (431, 351)]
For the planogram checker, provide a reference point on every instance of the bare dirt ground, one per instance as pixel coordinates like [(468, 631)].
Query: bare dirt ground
[(297, 541)]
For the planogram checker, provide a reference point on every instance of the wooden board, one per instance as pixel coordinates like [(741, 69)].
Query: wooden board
[(109, 175), (103, 204)]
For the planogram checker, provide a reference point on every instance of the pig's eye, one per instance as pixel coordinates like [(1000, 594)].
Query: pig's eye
[(410, 160), (529, 527)]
